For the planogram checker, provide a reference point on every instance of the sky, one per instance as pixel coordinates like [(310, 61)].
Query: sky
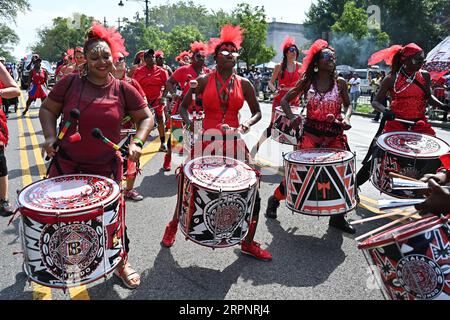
[(43, 11)]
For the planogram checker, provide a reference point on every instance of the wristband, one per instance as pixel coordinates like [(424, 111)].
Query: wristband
[(138, 142)]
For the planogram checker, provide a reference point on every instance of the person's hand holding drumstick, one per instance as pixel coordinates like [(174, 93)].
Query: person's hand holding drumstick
[(438, 201)]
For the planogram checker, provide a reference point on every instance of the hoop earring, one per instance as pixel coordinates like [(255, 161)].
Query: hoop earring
[(316, 69)]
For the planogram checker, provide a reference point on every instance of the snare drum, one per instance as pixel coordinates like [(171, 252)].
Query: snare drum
[(219, 194), (72, 229), (281, 130), (320, 182), (412, 261), (408, 153)]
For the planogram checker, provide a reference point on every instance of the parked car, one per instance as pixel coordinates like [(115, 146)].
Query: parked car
[(366, 76)]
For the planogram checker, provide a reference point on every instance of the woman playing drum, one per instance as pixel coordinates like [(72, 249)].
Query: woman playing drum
[(287, 74), (102, 102), (324, 122), (410, 89), (224, 94)]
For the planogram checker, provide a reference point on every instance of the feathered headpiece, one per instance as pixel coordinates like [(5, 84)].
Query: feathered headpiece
[(287, 43), (79, 49), (111, 36), (228, 33), (159, 53), (388, 54), (316, 47), (199, 47), (183, 55)]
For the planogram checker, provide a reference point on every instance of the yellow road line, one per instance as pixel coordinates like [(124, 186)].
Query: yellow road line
[(150, 151), (39, 292), (367, 199)]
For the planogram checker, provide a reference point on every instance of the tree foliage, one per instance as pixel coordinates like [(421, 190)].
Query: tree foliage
[(8, 13)]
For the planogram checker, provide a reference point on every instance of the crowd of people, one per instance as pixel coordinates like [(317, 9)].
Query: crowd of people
[(94, 79)]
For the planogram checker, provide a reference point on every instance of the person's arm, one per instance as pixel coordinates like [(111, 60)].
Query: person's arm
[(197, 86), (342, 84), (252, 101), (433, 101), (144, 123), (274, 78), (170, 86), (298, 90), (377, 102), (49, 112), (11, 89)]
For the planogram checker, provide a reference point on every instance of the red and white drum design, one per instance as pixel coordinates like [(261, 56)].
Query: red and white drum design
[(408, 153), (218, 199), (72, 229), (413, 261), (320, 182), (281, 130)]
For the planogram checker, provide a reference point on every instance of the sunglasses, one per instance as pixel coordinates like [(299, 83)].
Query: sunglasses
[(121, 59), (419, 59), (328, 56), (227, 53), (293, 49), (198, 55)]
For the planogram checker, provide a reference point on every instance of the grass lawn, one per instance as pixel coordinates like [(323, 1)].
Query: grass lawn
[(364, 108)]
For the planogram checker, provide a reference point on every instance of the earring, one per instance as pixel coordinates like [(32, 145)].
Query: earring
[(316, 69)]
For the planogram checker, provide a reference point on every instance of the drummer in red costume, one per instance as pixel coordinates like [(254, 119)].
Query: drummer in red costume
[(38, 84), (224, 94), (153, 81), (137, 62), (325, 124), (410, 89), (132, 168), (102, 102), (182, 76), (184, 58), (77, 65), (286, 74)]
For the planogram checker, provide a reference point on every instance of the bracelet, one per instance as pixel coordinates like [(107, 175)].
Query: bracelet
[(138, 142)]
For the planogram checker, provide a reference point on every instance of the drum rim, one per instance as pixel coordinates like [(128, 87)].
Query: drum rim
[(200, 184), (72, 212), (398, 153), (293, 108), (321, 215), (433, 223), (207, 246), (319, 163)]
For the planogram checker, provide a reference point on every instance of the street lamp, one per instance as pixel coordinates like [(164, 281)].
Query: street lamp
[(147, 2)]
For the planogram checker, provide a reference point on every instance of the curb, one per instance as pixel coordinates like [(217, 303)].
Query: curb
[(438, 124)]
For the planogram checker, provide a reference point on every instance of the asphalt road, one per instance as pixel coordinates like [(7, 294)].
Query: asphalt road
[(310, 260)]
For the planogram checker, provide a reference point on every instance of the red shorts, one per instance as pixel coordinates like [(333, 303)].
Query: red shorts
[(399, 126), (158, 110)]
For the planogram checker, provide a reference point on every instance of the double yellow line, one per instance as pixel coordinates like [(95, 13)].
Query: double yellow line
[(39, 292)]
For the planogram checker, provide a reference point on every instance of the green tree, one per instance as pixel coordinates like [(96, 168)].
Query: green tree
[(353, 21), (8, 13), (253, 21), (10, 8), (181, 37), (54, 40)]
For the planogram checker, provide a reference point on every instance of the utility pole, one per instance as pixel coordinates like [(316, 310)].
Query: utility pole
[(147, 3), (104, 22), (118, 24)]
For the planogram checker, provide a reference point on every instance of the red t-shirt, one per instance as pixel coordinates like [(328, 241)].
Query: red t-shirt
[(185, 74), (100, 107), (136, 85), (152, 80)]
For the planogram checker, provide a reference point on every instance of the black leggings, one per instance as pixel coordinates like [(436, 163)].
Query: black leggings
[(3, 167)]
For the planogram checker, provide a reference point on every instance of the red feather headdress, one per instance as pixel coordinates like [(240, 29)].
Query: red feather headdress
[(316, 47), (183, 55), (159, 53), (228, 33), (288, 42), (199, 47), (111, 36), (388, 54)]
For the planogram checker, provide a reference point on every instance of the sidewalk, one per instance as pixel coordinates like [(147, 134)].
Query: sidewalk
[(434, 123)]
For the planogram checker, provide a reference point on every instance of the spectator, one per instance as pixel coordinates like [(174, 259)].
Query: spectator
[(355, 90), (375, 86)]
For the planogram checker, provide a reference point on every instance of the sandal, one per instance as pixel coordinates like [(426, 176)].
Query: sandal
[(127, 275)]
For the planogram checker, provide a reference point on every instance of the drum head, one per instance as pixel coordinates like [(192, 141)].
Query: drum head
[(69, 194), (413, 145), (403, 232), (177, 117), (220, 173), (318, 156), (295, 110)]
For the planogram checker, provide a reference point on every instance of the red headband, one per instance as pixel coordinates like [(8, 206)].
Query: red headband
[(388, 54), (316, 47), (111, 37), (199, 47), (159, 53)]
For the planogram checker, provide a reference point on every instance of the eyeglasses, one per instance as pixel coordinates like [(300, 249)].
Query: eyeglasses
[(328, 56), (227, 53)]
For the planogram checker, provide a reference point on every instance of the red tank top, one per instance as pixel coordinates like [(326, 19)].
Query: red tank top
[(319, 105), (289, 79), (408, 99), (38, 78), (214, 114)]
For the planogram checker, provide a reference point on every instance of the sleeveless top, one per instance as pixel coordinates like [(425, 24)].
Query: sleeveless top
[(214, 114), (38, 78), (289, 79), (411, 102)]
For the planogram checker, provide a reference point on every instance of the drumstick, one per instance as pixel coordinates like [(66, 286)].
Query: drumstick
[(404, 121), (393, 174), (408, 216), (97, 133), (74, 114), (385, 215)]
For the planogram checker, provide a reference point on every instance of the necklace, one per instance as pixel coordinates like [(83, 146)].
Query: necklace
[(409, 81)]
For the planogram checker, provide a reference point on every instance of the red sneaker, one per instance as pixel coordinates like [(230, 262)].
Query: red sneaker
[(167, 166), (170, 234), (254, 249)]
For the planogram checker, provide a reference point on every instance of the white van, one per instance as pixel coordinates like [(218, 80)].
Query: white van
[(366, 76)]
